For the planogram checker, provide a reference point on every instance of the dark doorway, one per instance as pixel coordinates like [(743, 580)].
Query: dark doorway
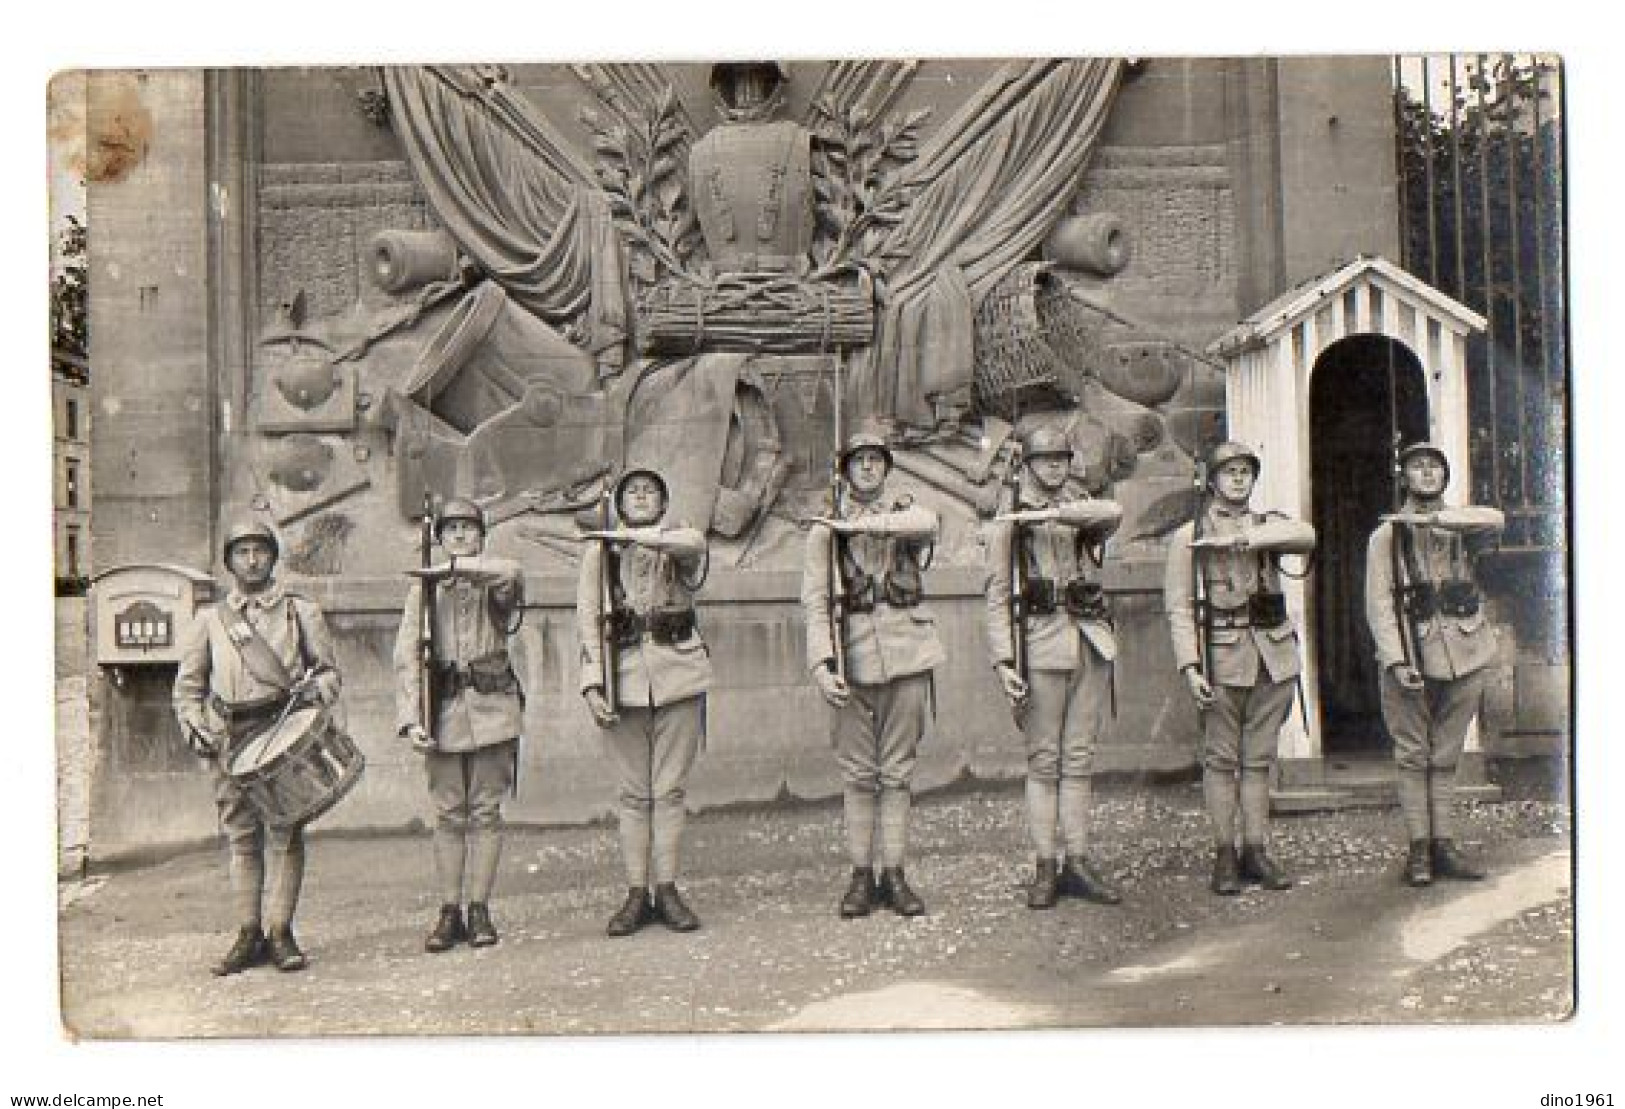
[(1363, 390)]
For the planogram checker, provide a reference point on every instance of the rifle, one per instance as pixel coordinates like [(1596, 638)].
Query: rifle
[(606, 602), (837, 580), (1017, 600), (1200, 607), (427, 589)]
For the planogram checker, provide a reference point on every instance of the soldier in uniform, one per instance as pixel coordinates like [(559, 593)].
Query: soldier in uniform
[(471, 755), (655, 725), (1223, 577), (1434, 647), (889, 643), (242, 663), (1061, 703)]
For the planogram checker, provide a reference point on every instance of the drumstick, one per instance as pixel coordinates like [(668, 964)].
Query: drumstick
[(265, 737)]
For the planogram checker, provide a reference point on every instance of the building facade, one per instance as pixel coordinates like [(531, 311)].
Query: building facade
[(304, 309), (70, 498)]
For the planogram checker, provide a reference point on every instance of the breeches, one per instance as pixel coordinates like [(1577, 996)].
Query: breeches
[(1242, 728), (654, 749), (1430, 725), (245, 829), (878, 732), (467, 787), (1065, 713)]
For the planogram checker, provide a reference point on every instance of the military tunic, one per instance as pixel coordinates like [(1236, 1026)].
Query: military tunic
[(217, 693), (1253, 668), (480, 703), (1069, 657)]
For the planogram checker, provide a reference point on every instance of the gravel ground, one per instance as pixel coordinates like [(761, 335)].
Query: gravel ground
[(136, 943)]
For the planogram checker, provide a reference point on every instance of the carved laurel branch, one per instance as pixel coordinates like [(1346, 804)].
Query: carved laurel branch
[(641, 171), (858, 190)]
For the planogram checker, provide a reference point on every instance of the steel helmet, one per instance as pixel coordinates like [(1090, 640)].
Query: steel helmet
[(250, 529), (459, 508), (1425, 447), (1229, 451), (1046, 442), (867, 435), (620, 486)]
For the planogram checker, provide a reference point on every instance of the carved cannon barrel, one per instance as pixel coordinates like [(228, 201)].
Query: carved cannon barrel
[(400, 261), (768, 313), (1096, 243)]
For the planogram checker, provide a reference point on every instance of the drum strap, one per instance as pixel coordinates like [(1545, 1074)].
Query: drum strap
[(256, 653)]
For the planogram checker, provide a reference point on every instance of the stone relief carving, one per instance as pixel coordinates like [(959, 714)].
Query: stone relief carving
[(701, 288)]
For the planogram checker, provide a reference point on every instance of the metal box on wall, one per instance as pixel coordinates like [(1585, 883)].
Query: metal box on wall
[(141, 612)]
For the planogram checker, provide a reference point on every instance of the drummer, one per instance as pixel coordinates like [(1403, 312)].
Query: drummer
[(471, 754), (247, 661)]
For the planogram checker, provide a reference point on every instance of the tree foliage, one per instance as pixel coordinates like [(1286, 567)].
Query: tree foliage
[(1481, 179), (70, 285)]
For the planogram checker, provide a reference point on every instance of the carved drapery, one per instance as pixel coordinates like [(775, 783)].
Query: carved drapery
[(519, 201), (984, 192)]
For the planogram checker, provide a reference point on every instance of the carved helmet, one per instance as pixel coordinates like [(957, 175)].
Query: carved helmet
[(626, 478), (867, 435), (250, 529), (723, 73), (1229, 451), (1046, 442), (460, 508), (1425, 447)]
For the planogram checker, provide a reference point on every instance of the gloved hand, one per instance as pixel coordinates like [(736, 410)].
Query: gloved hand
[(832, 686), (422, 742), (1200, 689)]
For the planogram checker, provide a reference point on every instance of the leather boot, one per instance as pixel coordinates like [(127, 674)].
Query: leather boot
[(448, 930), (248, 950), (1045, 888), (670, 908), (285, 953), (1451, 863), (481, 932), (859, 898), (896, 892), (632, 915), (1079, 879), (1257, 866), (1226, 871), (1419, 864)]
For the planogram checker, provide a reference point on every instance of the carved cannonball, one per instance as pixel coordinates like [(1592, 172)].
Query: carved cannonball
[(1097, 243), (301, 463)]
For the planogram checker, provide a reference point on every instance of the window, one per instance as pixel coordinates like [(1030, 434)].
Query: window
[(72, 419), (72, 485), (73, 553)]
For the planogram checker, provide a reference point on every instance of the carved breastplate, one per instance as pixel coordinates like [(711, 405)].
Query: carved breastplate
[(751, 186)]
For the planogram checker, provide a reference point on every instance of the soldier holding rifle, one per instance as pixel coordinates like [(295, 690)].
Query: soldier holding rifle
[(874, 665), (1434, 646), (1224, 584), (645, 672), (1050, 636), (460, 704)]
